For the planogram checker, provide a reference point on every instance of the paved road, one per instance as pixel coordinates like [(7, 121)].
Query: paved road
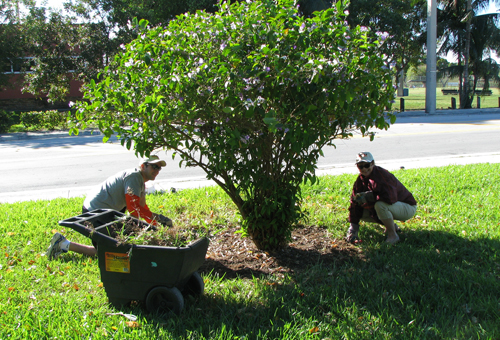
[(44, 166), (422, 141)]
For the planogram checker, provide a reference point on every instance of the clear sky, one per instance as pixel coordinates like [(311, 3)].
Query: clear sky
[(493, 8)]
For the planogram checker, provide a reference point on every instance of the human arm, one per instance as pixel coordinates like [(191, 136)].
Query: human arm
[(356, 210), (135, 197), (137, 207)]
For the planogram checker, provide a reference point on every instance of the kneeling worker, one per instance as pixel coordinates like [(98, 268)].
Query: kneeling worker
[(123, 191), (378, 197)]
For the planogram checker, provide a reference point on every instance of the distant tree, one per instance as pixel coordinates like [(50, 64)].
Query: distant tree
[(456, 24), (485, 38), (11, 45), (77, 44), (308, 7), (251, 95), (442, 63), (443, 77), (118, 14), (62, 51), (9, 51), (402, 21)]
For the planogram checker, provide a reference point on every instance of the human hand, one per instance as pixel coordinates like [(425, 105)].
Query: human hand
[(364, 197), (164, 220), (360, 198)]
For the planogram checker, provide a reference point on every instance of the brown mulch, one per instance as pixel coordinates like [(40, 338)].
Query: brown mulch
[(230, 255)]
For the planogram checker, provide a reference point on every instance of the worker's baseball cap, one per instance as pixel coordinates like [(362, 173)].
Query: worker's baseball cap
[(364, 157), (153, 159)]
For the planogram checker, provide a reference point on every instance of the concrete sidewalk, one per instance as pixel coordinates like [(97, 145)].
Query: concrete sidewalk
[(449, 112), (201, 181), (349, 168)]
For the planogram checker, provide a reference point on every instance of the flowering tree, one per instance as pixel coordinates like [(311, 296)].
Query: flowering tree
[(250, 94)]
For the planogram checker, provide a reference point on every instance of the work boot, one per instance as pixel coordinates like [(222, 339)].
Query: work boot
[(351, 236)]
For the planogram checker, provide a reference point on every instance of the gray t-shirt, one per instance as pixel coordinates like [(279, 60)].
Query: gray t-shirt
[(111, 193)]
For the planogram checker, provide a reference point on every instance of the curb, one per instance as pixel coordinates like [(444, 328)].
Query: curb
[(449, 112)]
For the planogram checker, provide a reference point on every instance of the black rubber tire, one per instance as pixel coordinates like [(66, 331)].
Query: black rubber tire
[(165, 300), (195, 286)]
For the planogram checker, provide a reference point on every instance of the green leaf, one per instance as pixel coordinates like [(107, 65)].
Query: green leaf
[(393, 118), (270, 120), (143, 23)]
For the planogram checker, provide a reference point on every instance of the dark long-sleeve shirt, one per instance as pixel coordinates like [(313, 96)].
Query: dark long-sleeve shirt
[(385, 187)]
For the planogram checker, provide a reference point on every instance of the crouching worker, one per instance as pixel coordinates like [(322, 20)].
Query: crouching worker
[(378, 197), (123, 191)]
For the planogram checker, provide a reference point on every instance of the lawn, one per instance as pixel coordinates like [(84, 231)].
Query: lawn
[(442, 281), (416, 100)]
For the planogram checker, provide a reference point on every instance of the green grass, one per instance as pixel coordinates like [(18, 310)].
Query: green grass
[(416, 100), (441, 282)]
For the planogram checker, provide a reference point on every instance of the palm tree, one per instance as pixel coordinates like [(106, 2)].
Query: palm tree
[(468, 37), (485, 38)]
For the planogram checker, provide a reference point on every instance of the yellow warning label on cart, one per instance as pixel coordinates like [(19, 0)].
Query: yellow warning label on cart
[(117, 262)]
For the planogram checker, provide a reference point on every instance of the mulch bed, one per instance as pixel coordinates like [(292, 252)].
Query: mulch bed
[(230, 255)]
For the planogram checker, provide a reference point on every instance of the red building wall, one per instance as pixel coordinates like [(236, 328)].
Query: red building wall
[(12, 98)]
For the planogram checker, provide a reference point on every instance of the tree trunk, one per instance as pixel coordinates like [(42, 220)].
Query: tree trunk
[(401, 83), (466, 102), (460, 78)]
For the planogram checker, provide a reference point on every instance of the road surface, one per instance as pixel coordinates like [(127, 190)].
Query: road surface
[(49, 165)]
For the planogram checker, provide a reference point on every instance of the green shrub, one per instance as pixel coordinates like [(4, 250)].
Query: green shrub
[(7, 119), (251, 95), (44, 120), (17, 128)]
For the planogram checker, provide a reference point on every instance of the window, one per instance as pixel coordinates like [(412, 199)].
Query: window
[(18, 65)]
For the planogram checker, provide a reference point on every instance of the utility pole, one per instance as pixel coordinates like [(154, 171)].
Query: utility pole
[(430, 74)]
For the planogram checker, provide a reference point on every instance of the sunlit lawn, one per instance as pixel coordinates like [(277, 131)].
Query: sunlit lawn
[(416, 100)]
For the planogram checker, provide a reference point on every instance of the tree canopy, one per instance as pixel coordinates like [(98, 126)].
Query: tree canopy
[(469, 37), (11, 45), (401, 21)]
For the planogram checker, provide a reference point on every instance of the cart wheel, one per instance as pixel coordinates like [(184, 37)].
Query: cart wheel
[(165, 300), (195, 285)]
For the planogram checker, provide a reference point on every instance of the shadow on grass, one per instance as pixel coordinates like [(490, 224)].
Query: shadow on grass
[(431, 284)]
